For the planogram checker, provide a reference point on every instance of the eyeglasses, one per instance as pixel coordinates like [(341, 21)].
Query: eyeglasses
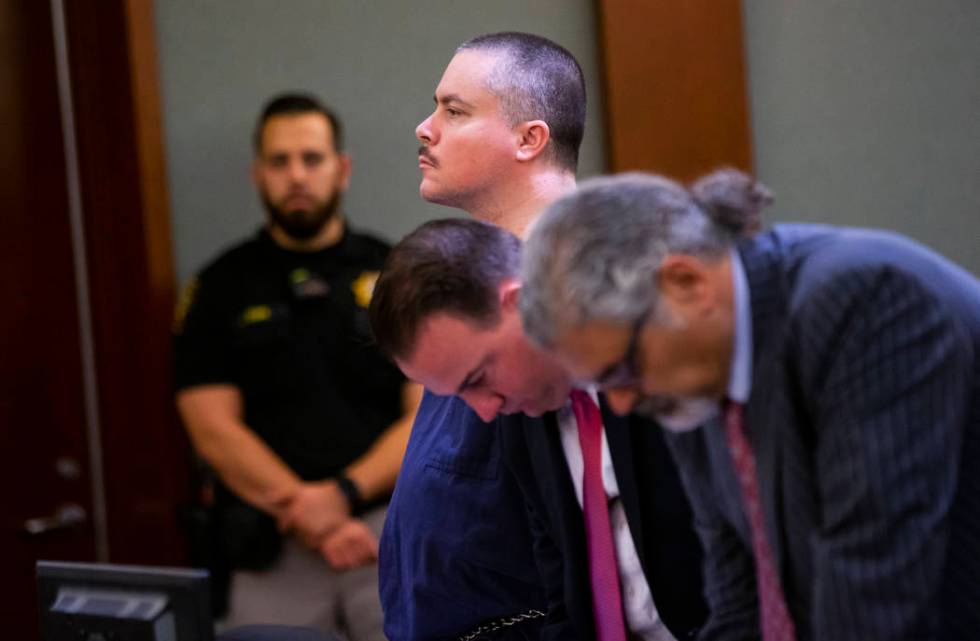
[(626, 372)]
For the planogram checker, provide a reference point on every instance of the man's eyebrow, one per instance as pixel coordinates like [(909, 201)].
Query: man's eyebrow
[(469, 376), (451, 98)]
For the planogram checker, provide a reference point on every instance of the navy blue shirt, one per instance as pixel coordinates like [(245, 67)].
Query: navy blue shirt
[(456, 551)]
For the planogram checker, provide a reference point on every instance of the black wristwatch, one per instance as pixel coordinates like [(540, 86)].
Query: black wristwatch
[(350, 491)]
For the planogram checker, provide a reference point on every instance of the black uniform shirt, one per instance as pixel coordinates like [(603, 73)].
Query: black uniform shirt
[(290, 330)]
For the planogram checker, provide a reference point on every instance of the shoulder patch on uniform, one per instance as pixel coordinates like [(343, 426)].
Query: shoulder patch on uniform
[(255, 314), (363, 287), (299, 275), (184, 301)]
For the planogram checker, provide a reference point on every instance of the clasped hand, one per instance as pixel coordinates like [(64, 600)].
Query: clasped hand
[(318, 514)]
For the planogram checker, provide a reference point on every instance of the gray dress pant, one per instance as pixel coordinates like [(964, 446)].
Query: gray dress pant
[(303, 590)]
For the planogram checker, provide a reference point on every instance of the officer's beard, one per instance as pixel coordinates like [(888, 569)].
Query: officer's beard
[(678, 414), (300, 224)]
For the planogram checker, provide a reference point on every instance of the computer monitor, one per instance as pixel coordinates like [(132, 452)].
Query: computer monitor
[(123, 602)]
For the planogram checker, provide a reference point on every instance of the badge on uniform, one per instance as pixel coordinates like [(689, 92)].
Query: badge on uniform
[(255, 314), (306, 285), (184, 303), (363, 287)]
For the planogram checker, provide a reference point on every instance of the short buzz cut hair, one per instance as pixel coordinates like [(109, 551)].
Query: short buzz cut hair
[(452, 266), (538, 79), (293, 104)]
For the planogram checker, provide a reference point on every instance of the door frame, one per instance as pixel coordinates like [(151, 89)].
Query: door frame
[(141, 459)]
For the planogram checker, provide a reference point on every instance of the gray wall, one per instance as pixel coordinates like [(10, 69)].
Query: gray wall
[(868, 113), (863, 113), (376, 62)]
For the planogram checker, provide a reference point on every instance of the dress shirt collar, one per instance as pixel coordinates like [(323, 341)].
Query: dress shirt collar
[(740, 377)]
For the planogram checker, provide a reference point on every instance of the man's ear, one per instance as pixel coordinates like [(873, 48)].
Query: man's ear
[(534, 137), (253, 171), (684, 282), (345, 169), (509, 293)]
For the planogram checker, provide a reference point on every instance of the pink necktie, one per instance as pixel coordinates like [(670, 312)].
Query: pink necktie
[(774, 618), (603, 573)]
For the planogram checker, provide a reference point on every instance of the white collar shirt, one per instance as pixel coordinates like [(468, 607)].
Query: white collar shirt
[(642, 618)]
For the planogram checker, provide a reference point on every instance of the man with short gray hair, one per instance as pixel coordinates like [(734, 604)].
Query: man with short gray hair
[(501, 143), (834, 498)]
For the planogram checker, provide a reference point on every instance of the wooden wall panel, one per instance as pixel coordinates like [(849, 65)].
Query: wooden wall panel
[(44, 455), (675, 85), (146, 457)]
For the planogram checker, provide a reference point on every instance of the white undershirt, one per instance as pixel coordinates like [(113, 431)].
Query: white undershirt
[(642, 618)]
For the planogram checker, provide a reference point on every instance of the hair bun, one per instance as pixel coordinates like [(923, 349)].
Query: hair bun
[(732, 199)]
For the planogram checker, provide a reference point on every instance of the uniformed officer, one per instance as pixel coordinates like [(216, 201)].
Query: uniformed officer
[(284, 396)]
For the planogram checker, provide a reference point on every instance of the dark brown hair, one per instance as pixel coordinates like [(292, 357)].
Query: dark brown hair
[(454, 266), (291, 104)]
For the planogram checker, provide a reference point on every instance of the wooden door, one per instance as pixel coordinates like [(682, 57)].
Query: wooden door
[(93, 465), (675, 86), (45, 472)]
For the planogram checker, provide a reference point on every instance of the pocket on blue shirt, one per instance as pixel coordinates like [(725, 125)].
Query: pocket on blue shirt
[(483, 468)]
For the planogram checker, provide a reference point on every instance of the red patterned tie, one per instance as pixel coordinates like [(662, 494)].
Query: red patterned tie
[(774, 617), (603, 573)]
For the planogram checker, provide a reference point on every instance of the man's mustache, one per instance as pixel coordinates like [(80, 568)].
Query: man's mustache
[(429, 158)]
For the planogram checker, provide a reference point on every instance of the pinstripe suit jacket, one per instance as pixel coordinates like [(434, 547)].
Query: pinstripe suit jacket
[(864, 418)]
